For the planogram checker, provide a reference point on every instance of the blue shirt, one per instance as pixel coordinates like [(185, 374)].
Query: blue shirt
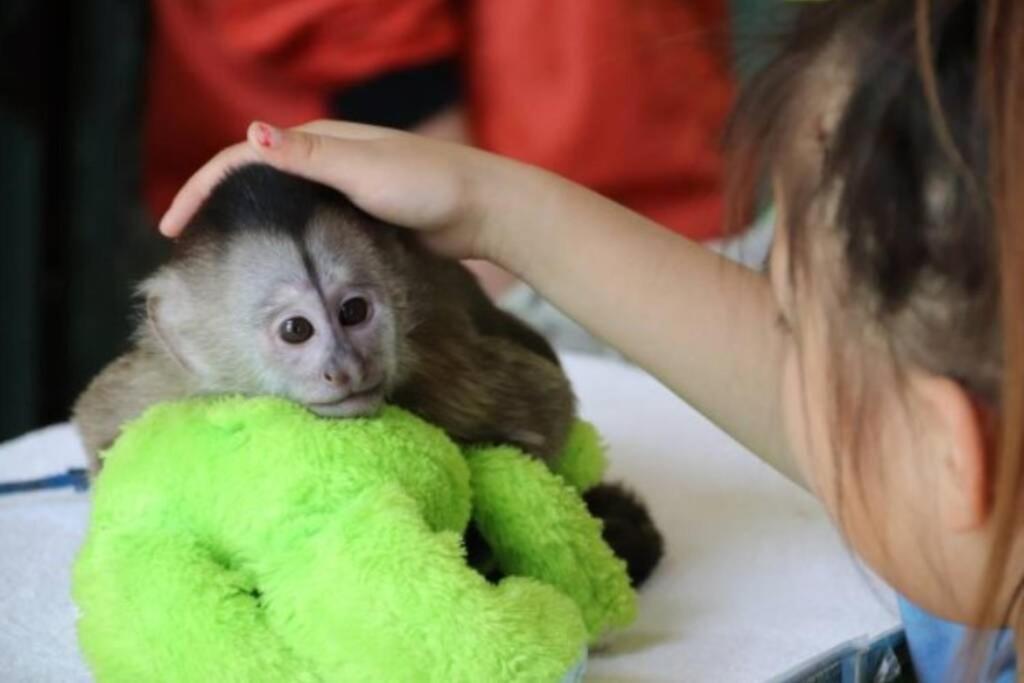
[(935, 644)]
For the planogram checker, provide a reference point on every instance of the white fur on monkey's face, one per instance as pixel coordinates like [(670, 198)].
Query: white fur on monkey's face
[(325, 328), (312, 321)]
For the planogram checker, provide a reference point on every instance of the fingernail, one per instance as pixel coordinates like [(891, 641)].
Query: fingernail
[(264, 135)]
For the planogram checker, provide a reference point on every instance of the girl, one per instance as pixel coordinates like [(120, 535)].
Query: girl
[(881, 362)]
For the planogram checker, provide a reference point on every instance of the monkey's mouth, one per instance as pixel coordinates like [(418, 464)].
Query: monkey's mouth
[(357, 404)]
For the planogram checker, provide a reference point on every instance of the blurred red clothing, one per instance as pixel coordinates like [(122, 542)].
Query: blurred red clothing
[(626, 97), (215, 65)]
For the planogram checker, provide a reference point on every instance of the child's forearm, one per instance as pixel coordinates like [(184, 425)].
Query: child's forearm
[(701, 324)]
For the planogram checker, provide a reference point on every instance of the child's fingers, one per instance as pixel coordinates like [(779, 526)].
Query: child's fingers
[(305, 151), (197, 188), (346, 129), (395, 176), (392, 175)]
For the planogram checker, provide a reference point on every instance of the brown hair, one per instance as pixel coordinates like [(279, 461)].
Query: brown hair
[(1003, 88), (925, 172)]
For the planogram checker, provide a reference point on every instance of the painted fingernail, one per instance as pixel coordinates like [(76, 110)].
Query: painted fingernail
[(265, 135)]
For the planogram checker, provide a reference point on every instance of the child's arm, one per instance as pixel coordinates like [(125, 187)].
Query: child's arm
[(701, 324)]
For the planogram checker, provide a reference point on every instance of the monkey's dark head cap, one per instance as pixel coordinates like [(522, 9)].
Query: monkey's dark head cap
[(258, 197)]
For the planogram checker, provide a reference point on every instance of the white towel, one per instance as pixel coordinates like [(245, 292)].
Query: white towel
[(754, 582), (39, 535)]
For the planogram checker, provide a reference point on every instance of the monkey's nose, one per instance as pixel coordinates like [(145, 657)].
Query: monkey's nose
[(338, 378)]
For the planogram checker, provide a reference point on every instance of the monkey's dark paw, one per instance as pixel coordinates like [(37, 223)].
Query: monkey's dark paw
[(628, 529)]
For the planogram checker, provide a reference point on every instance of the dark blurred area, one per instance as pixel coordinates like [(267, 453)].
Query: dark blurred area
[(76, 80), (73, 226)]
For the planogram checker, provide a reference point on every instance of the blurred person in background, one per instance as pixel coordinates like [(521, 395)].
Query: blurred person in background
[(627, 97)]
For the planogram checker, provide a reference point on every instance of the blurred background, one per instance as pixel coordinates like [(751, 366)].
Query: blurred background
[(107, 106)]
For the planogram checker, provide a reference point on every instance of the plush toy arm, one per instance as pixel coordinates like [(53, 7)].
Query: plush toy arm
[(160, 607), (377, 595), (373, 595), (582, 462), (538, 526)]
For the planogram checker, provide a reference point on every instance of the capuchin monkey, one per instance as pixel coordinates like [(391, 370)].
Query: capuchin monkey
[(280, 286)]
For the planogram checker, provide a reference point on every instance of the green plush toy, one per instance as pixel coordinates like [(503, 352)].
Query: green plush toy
[(249, 540)]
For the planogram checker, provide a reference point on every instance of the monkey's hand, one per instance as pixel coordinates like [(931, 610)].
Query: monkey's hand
[(460, 197)]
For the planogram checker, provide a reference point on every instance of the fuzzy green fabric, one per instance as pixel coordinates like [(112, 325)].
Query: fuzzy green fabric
[(248, 540)]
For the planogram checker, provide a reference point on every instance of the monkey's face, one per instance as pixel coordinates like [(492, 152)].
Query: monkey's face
[(325, 317), (313, 318)]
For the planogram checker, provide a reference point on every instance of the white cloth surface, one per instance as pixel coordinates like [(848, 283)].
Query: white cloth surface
[(754, 581)]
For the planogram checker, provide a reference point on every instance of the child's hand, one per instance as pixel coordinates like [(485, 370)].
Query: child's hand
[(447, 190)]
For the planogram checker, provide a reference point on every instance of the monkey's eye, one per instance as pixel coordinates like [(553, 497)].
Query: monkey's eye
[(354, 311), (296, 330)]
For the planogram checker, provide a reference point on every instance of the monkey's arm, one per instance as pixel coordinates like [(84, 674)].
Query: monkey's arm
[(120, 393), (488, 389)]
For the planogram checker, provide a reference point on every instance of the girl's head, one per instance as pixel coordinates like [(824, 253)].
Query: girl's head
[(892, 135)]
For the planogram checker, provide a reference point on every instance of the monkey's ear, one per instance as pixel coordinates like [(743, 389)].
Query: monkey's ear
[(169, 314)]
